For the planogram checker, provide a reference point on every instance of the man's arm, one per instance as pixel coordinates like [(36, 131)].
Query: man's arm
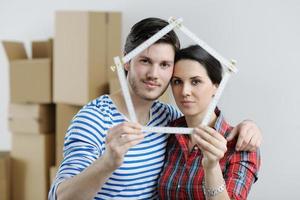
[(249, 136), (86, 184)]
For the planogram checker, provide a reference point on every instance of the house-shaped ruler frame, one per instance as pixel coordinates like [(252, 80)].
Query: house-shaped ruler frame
[(173, 23)]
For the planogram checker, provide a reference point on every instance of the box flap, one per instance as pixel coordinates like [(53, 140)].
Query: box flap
[(14, 50), (42, 49)]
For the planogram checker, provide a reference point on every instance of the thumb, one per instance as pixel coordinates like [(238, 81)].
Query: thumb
[(232, 134)]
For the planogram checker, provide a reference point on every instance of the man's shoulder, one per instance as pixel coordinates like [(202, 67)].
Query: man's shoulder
[(164, 105), (101, 106)]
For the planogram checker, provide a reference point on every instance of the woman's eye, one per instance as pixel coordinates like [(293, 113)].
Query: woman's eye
[(175, 82), (196, 82)]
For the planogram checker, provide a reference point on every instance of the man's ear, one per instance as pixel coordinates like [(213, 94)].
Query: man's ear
[(126, 66)]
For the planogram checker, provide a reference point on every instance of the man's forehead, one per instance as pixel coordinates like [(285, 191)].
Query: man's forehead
[(163, 52)]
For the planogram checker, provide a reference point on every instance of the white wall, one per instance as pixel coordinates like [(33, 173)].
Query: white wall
[(263, 36)]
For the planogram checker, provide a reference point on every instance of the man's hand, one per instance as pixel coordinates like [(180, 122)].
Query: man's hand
[(118, 141), (249, 136)]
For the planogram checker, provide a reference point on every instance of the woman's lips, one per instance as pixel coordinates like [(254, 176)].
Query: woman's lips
[(186, 103)]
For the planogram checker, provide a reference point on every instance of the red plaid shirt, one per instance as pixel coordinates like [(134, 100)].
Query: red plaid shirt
[(183, 175)]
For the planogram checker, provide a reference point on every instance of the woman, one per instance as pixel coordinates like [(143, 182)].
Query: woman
[(203, 165)]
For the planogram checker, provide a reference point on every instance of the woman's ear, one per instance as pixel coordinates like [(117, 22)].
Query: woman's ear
[(216, 86)]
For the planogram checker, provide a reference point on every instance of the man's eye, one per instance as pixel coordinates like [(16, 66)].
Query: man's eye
[(165, 65), (144, 61)]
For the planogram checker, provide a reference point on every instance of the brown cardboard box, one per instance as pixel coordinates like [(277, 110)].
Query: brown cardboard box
[(114, 31), (114, 85), (53, 171), (5, 176), (32, 118), (42, 49), (32, 156), (64, 115), (30, 79), (80, 60)]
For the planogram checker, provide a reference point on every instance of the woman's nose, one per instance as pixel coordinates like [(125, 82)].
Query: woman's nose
[(186, 89)]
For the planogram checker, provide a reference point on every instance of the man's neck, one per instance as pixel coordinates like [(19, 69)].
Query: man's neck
[(142, 107)]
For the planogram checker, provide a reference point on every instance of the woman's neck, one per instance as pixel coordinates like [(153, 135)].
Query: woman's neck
[(195, 120)]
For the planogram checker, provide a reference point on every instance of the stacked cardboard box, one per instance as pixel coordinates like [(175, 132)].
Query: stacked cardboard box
[(82, 62), (5, 178), (81, 72), (30, 79), (32, 154), (31, 118)]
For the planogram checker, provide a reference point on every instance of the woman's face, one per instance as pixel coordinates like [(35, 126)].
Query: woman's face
[(192, 88)]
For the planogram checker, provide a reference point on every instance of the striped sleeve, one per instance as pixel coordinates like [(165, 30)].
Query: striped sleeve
[(242, 173), (83, 145)]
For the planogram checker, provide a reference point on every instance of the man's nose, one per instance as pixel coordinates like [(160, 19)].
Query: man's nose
[(153, 71)]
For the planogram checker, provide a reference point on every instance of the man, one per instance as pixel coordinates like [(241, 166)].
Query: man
[(107, 157)]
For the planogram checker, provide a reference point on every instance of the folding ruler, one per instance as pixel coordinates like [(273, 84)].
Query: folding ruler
[(173, 23)]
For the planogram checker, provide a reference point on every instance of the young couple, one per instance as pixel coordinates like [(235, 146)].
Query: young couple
[(108, 157)]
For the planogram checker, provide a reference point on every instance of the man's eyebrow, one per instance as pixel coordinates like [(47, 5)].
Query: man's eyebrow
[(145, 57)]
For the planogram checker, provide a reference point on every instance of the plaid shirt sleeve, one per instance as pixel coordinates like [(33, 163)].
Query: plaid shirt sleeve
[(242, 173)]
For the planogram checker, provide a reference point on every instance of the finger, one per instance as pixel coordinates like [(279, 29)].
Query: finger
[(125, 141), (211, 140), (214, 133), (253, 144), (232, 134), (132, 140), (244, 138), (205, 146)]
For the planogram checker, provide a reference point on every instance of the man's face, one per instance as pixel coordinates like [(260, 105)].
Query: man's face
[(150, 71)]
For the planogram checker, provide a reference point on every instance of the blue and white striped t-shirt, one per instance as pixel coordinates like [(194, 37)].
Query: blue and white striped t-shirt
[(85, 142)]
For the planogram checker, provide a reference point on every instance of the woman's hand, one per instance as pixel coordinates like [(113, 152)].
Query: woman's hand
[(212, 144)]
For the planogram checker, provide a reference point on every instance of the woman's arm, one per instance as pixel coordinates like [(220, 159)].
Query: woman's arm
[(240, 173), (213, 147)]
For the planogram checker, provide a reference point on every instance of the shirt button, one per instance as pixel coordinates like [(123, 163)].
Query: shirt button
[(196, 148), (178, 186)]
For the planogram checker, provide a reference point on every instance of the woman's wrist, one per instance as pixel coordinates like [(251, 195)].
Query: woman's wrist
[(209, 165)]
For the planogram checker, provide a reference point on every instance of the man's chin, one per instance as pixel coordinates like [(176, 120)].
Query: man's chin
[(150, 97)]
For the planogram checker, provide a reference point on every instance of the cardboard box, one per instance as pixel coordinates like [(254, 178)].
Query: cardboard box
[(80, 60), (64, 115), (114, 85), (32, 118), (5, 176), (30, 79), (32, 156), (114, 45), (52, 171)]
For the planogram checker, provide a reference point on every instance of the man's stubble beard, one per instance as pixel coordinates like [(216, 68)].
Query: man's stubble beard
[(136, 90)]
